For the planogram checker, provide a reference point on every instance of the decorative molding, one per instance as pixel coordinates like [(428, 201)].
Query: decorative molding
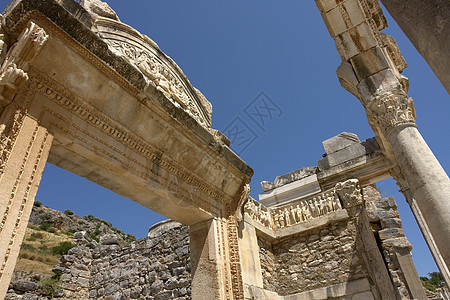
[(235, 261), (158, 71), (12, 77), (25, 199), (84, 111), (11, 80), (391, 110), (77, 46), (394, 52)]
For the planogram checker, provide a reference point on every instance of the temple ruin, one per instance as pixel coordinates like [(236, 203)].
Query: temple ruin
[(90, 94)]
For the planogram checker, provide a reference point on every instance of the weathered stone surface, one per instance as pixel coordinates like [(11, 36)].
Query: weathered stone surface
[(288, 178), (339, 142), (24, 285), (99, 8), (158, 229), (110, 239)]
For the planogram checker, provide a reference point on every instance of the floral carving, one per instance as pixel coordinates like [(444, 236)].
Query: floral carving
[(161, 75)]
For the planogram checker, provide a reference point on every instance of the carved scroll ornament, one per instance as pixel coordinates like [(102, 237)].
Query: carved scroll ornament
[(12, 75), (164, 78)]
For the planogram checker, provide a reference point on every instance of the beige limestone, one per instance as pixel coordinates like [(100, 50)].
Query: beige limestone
[(138, 128)]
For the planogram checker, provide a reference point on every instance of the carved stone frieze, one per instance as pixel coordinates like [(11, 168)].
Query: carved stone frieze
[(162, 76), (160, 70), (394, 52), (292, 214), (235, 261), (390, 110), (258, 212), (11, 79)]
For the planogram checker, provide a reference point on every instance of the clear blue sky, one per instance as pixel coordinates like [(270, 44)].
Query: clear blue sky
[(232, 51)]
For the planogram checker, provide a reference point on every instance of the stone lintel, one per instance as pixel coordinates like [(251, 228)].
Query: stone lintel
[(290, 192), (364, 161)]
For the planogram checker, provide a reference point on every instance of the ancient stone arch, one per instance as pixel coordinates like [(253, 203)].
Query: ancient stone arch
[(126, 117), (84, 91)]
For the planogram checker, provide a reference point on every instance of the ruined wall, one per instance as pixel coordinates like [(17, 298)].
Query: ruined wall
[(317, 258), (395, 247), (157, 267)]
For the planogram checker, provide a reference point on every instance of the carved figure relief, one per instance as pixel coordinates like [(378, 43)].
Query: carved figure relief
[(304, 211)]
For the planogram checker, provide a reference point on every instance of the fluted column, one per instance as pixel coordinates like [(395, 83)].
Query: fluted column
[(370, 70)]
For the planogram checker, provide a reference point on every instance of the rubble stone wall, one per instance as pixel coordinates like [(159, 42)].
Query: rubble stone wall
[(157, 268), (320, 257)]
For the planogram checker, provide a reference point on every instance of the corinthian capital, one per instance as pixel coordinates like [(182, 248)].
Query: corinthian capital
[(391, 110)]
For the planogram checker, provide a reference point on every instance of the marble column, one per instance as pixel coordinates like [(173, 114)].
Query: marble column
[(371, 70)]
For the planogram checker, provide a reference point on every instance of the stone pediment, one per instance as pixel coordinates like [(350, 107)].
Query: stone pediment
[(158, 68)]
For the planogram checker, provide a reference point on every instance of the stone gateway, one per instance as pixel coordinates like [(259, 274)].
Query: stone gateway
[(90, 94)]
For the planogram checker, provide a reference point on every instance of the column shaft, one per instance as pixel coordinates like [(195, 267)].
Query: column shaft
[(428, 182)]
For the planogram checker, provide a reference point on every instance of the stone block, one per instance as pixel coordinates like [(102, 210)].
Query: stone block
[(369, 62), (385, 80), (363, 296), (355, 41), (344, 16), (166, 295), (399, 242), (326, 5), (391, 223), (110, 239), (386, 203), (340, 141), (24, 285), (391, 233), (347, 154), (380, 214)]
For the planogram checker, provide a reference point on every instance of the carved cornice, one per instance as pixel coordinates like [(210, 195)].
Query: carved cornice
[(390, 111), (51, 90)]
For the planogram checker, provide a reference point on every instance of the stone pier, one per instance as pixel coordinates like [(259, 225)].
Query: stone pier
[(371, 70)]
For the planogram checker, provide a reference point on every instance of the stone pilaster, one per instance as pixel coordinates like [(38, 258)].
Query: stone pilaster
[(25, 147), (370, 70), (216, 270)]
